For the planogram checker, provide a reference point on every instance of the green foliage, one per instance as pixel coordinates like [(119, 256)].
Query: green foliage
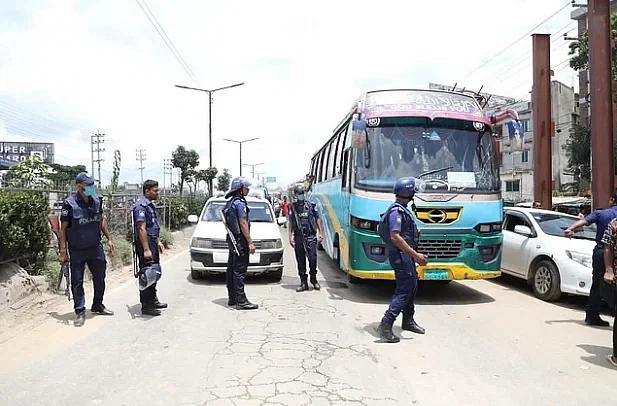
[(63, 176), (32, 172), (224, 180), (124, 252), (113, 187), (176, 211), (578, 150), (166, 237), (194, 204), (580, 52), (24, 229), (187, 161)]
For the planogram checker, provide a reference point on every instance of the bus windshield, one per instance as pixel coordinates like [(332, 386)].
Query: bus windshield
[(447, 155)]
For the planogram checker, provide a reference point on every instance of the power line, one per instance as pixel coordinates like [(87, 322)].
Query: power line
[(518, 40), (166, 39)]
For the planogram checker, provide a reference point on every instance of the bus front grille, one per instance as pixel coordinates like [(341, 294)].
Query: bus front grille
[(440, 249), (438, 215)]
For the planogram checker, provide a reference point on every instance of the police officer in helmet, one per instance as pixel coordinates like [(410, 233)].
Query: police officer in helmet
[(82, 221), (399, 231), (147, 245), (304, 234), (236, 214)]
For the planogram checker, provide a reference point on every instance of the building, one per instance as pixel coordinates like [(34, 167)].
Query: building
[(516, 159)]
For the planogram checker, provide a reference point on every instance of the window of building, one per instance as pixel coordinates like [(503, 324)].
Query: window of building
[(525, 156), (525, 124), (513, 185)]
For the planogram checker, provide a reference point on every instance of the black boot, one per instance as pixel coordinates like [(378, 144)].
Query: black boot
[(150, 311), (242, 303), (102, 310), (231, 301), (303, 286), (410, 324), (594, 319), (385, 333), (80, 320), (159, 305)]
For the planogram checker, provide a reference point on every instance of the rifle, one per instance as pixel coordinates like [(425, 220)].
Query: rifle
[(135, 239), (65, 272), (230, 234)]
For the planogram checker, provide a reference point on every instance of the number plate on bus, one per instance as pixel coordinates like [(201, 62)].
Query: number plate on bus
[(436, 275)]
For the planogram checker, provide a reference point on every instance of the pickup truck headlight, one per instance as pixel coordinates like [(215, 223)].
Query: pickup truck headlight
[(583, 259), (201, 243)]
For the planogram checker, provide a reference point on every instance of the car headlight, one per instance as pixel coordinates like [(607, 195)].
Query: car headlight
[(273, 244), (201, 243), (583, 259)]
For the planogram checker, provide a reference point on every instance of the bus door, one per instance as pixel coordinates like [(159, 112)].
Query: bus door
[(346, 198)]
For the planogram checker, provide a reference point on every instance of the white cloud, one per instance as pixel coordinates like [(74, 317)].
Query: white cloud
[(103, 65)]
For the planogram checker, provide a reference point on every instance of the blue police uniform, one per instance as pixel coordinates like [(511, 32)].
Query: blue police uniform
[(237, 265), (84, 247), (401, 220), (307, 232), (601, 218), (145, 212)]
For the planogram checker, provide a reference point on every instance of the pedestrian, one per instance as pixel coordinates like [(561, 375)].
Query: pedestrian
[(236, 213), (537, 205), (148, 247), (610, 276), (601, 218), (398, 230), (304, 235), (285, 210), (82, 221)]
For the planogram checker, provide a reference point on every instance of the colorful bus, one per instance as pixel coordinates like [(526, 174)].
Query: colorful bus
[(444, 138)]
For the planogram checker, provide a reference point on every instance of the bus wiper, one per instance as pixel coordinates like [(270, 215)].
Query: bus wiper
[(367, 153), (435, 171)]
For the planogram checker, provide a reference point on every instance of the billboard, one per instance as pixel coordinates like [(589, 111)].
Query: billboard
[(18, 151), (271, 179)]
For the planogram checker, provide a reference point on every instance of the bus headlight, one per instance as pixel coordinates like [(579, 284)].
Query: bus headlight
[(362, 224), (201, 243), (488, 228)]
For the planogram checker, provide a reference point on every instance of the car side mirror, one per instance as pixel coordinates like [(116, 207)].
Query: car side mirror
[(193, 218), (523, 230)]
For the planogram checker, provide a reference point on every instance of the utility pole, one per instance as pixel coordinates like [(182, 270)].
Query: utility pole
[(253, 168), (240, 143), (210, 92), (141, 157), (601, 89), (96, 140), (542, 124), (167, 169)]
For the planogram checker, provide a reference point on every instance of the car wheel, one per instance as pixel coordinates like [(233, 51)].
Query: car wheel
[(546, 281), (195, 274), (277, 275)]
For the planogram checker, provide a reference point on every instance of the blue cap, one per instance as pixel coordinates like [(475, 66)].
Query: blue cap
[(83, 177)]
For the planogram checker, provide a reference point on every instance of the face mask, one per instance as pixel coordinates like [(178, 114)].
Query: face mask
[(301, 197), (89, 190)]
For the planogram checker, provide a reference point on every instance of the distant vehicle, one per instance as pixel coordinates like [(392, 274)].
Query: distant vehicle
[(208, 246), (535, 249), (260, 192)]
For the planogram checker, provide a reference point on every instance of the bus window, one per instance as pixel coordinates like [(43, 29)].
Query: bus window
[(331, 158)]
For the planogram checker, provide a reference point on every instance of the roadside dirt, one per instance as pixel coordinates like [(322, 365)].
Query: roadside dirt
[(33, 310)]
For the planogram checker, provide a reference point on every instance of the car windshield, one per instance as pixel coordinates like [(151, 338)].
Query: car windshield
[(556, 224), (258, 212), (447, 154)]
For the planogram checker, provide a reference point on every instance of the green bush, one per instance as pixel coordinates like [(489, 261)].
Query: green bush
[(176, 212), (124, 252), (167, 238), (24, 229), (195, 204)]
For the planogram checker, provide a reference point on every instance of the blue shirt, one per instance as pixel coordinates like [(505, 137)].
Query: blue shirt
[(601, 218), (395, 219), (240, 207), (66, 216), (145, 212)]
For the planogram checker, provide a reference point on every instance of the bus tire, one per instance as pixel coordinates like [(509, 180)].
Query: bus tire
[(352, 279)]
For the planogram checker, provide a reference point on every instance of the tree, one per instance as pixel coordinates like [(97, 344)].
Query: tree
[(64, 175), (224, 180), (32, 172), (206, 175), (186, 161), (578, 147), (113, 187), (580, 53)]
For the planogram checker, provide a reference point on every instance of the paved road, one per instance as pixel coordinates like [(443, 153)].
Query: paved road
[(487, 343)]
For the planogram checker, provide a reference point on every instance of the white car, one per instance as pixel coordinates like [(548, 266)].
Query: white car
[(535, 249), (208, 246)]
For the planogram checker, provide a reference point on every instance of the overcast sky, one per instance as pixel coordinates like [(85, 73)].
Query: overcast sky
[(68, 68)]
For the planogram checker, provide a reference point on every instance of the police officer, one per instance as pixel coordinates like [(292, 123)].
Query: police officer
[(147, 245), (399, 231), (236, 214), (82, 221), (601, 218), (304, 234)]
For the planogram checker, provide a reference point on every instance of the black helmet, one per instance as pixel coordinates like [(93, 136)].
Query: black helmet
[(298, 190)]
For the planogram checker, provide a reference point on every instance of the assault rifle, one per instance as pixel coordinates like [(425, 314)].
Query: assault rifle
[(230, 234)]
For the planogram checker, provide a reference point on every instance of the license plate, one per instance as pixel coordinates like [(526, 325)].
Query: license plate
[(220, 257), (254, 258), (436, 275)]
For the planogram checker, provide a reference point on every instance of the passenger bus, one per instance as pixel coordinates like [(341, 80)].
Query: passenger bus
[(444, 138)]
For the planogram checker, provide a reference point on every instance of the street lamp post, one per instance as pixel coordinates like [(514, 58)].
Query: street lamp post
[(210, 92), (253, 168), (240, 143)]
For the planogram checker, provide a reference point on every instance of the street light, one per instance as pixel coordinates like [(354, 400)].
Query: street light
[(253, 168), (240, 143), (210, 92)]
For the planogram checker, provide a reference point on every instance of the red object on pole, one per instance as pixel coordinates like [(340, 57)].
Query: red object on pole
[(600, 83), (541, 104)]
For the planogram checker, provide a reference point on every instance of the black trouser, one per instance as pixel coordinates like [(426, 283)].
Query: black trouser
[(614, 293), (236, 269), (147, 297), (594, 303)]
